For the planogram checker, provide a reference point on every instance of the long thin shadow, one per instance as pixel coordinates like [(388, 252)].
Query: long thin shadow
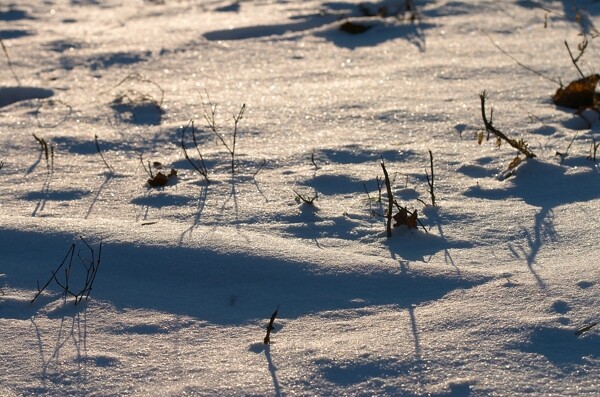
[(260, 31), (416, 340), (77, 333), (142, 215), (107, 178), (415, 332), (256, 184), (197, 216), (447, 257), (60, 342), (272, 371), (44, 194), (232, 195), (543, 228), (33, 166)]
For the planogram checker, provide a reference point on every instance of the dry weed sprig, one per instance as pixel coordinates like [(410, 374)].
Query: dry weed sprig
[(593, 150), (199, 165), (520, 145), (404, 216), (431, 180), (563, 155), (312, 160), (388, 186), (582, 46), (301, 198), (147, 170), (47, 151), (270, 327), (90, 265), (209, 116)]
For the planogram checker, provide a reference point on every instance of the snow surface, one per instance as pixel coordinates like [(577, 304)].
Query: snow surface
[(485, 302)]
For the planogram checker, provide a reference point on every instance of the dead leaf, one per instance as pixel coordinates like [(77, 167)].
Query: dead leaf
[(404, 217), (411, 221), (579, 93), (161, 179), (401, 217), (515, 162)]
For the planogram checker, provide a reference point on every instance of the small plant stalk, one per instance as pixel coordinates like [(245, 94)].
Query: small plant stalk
[(236, 120), (388, 187), (270, 327), (147, 170), (209, 116), (199, 166), (312, 160), (593, 150), (47, 151), (520, 145), (91, 266), (430, 180), (301, 198), (582, 48)]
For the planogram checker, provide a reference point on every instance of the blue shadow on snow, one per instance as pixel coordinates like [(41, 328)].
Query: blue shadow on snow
[(201, 282)]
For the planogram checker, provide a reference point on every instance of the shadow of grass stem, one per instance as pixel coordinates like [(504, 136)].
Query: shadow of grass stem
[(110, 169)]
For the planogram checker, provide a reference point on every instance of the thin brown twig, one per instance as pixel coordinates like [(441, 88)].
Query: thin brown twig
[(201, 166), (431, 180), (574, 60)]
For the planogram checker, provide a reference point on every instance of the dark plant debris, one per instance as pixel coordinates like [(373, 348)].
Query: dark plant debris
[(270, 327), (354, 27), (579, 94), (161, 179)]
